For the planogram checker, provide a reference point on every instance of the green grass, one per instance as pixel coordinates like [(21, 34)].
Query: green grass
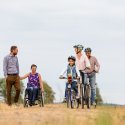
[(104, 119)]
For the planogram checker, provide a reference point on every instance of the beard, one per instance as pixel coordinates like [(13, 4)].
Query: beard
[(14, 53)]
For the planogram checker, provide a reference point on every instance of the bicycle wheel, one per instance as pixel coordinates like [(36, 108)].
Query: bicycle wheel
[(26, 103), (73, 99), (88, 96), (82, 96), (68, 98)]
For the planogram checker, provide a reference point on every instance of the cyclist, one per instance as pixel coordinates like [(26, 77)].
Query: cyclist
[(72, 70), (82, 61), (91, 73)]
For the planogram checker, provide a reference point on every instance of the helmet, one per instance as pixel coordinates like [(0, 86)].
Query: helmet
[(79, 46), (71, 57), (88, 50)]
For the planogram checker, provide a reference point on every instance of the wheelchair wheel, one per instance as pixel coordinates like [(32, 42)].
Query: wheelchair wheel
[(41, 99), (26, 101)]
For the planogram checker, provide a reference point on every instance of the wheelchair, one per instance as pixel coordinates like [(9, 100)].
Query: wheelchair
[(39, 99)]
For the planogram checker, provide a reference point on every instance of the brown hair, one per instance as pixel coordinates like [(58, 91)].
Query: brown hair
[(33, 65), (13, 48)]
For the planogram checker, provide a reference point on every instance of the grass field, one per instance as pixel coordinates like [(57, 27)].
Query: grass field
[(58, 114)]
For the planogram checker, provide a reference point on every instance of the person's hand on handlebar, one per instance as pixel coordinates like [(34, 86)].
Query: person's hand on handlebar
[(61, 77), (78, 78)]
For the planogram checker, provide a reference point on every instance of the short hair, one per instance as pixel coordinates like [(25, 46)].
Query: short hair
[(13, 48), (33, 65)]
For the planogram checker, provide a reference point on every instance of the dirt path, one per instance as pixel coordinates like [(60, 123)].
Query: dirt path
[(56, 115)]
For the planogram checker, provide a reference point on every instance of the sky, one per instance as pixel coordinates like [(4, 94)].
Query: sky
[(45, 32)]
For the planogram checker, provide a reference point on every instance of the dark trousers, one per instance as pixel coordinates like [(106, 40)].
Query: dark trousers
[(32, 93), (73, 86), (10, 81)]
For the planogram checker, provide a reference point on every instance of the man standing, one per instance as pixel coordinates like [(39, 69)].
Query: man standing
[(11, 73), (91, 73)]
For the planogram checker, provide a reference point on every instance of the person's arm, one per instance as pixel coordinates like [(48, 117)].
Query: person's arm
[(97, 65), (88, 65), (5, 67), (24, 77), (63, 72), (18, 66), (41, 82)]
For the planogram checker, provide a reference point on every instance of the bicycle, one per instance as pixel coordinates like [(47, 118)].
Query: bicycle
[(85, 93), (71, 99)]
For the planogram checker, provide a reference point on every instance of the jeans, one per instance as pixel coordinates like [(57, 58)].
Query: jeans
[(32, 93), (92, 80), (73, 87)]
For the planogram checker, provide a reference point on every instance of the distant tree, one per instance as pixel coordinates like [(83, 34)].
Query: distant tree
[(98, 95), (3, 90), (49, 94)]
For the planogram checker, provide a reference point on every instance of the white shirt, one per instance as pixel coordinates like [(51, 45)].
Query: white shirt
[(82, 62)]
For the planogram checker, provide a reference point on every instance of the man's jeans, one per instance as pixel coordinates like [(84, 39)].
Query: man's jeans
[(92, 80)]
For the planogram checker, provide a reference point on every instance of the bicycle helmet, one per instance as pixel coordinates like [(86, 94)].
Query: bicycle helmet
[(88, 50), (79, 46), (71, 57)]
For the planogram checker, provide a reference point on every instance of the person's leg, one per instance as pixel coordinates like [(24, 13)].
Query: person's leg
[(74, 87), (35, 91), (82, 76), (66, 90), (85, 78), (92, 79), (30, 93), (9, 83), (17, 88)]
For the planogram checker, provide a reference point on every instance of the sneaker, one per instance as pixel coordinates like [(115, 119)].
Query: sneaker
[(94, 104)]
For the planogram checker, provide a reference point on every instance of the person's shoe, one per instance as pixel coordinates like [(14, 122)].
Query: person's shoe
[(77, 97), (30, 104), (10, 105), (94, 104)]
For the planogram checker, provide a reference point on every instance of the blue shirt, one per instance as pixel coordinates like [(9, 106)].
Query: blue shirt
[(10, 65)]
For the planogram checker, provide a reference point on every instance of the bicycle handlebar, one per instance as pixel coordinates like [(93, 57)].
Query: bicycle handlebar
[(67, 78)]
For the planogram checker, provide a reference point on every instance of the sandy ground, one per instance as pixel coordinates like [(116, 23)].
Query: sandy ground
[(58, 114)]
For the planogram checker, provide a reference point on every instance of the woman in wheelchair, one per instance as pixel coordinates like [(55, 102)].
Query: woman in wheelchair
[(34, 84)]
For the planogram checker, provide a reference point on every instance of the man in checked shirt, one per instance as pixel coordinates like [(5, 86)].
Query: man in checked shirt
[(11, 73)]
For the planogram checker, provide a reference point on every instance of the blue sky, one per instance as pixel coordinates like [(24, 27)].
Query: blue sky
[(45, 32)]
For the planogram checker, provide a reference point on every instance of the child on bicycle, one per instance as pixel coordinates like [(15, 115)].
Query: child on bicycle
[(72, 70)]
